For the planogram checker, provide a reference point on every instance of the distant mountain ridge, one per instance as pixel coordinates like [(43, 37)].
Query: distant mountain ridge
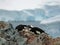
[(36, 14)]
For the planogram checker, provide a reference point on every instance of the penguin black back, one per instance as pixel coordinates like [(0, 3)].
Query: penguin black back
[(35, 29)]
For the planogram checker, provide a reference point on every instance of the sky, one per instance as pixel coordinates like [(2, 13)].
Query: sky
[(24, 4)]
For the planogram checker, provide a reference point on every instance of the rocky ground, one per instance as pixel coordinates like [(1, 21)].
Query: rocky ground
[(10, 36)]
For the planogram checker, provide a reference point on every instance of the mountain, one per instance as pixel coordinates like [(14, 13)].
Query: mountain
[(52, 26), (23, 15), (37, 14)]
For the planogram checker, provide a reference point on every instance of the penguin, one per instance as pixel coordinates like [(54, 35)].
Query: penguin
[(37, 30), (21, 27)]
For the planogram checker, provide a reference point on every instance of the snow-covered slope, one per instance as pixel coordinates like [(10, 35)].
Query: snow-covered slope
[(51, 20), (24, 15), (52, 26)]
